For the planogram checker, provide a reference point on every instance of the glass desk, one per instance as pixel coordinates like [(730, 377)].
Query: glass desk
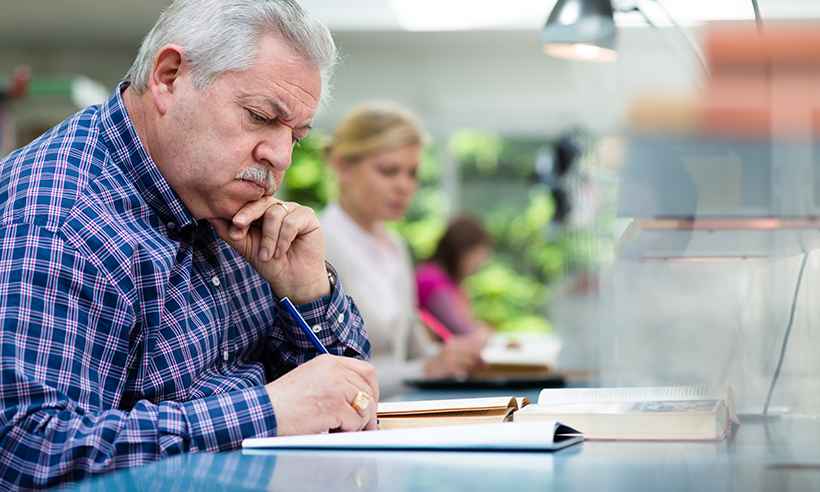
[(780, 454)]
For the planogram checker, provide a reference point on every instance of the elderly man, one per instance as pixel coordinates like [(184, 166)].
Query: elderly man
[(142, 253)]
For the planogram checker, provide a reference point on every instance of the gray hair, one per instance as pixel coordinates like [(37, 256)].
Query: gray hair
[(223, 35)]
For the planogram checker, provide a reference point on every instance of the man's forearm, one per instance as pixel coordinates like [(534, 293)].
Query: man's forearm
[(85, 443)]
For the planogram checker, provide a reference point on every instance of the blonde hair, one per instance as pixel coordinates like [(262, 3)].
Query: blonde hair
[(374, 127)]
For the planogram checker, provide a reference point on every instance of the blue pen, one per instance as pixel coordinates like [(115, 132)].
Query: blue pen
[(297, 317)]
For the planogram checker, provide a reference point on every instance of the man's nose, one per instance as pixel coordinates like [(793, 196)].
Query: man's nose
[(276, 148)]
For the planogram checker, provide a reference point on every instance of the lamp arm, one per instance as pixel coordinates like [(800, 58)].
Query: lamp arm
[(689, 40), (758, 20)]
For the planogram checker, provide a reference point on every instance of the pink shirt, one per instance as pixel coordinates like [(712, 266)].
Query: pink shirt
[(439, 295)]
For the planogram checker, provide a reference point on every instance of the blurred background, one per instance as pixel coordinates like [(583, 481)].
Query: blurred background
[(595, 179)]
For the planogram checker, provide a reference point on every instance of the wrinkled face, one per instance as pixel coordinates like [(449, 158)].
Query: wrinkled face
[(232, 141), (381, 186), (473, 260)]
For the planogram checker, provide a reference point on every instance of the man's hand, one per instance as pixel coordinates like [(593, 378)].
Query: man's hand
[(318, 395), (284, 243)]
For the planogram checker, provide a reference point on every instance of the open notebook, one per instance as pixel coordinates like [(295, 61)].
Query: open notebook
[(651, 413), (529, 436)]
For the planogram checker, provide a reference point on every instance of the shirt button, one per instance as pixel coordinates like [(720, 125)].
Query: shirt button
[(316, 328), (171, 226), (341, 318), (215, 281)]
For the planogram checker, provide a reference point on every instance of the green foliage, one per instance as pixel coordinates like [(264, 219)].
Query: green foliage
[(422, 234), (481, 155), (502, 297), (523, 240), (476, 150), (309, 180)]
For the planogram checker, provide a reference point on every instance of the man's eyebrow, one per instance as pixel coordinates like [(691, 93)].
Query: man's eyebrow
[(276, 107), (284, 112)]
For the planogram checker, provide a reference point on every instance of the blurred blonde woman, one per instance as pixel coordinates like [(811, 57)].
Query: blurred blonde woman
[(375, 152)]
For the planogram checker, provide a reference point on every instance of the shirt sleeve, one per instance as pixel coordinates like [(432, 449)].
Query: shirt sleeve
[(448, 308), (67, 343), (334, 319)]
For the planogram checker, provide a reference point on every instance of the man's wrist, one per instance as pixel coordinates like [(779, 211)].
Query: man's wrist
[(316, 291), (312, 293)]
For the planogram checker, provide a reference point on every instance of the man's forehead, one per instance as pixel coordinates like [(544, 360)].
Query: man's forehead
[(280, 69)]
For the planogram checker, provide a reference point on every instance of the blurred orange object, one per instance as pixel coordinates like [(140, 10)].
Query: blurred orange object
[(762, 84), (735, 45)]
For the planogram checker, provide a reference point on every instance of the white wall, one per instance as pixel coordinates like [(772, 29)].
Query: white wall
[(499, 81), (502, 81)]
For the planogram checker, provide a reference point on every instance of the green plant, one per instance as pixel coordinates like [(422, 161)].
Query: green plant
[(309, 180)]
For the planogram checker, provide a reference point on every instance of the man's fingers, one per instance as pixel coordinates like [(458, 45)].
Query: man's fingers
[(229, 232), (364, 401), (350, 420), (271, 229), (354, 368), (252, 211), (292, 226), (365, 371), (362, 404)]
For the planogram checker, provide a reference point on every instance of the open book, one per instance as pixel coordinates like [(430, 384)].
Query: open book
[(659, 413), (407, 414)]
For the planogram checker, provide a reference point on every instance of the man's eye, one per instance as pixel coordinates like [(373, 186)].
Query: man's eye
[(258, 118)]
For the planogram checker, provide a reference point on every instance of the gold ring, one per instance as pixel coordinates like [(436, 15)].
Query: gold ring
[(361, 402), (284, 205)]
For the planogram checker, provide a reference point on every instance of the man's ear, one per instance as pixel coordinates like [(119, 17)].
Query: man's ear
[(165, 73)]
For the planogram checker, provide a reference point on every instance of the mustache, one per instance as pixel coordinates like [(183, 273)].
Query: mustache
[(259, 175)]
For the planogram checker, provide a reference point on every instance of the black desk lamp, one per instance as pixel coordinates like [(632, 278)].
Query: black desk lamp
[(581, 30)]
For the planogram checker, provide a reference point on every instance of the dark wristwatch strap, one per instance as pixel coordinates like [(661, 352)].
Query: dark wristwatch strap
[(332, 276)]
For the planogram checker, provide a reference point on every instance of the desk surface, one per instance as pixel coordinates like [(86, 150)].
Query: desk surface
[(780, 454)]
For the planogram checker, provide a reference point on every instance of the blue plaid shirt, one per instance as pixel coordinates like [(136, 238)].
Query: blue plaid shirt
[(130, 331)]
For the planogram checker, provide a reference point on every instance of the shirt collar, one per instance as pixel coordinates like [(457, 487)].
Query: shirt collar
[(129, 154)]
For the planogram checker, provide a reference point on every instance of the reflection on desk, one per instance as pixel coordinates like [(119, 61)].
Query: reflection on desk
[(758, 458), (323, 470)]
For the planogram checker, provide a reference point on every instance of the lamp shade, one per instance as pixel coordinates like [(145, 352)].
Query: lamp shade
[(581, 30)]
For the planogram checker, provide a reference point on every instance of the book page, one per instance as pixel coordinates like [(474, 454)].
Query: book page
[(658, 393), (444, 406), (530, 435), (437, 420), (624, 407)]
